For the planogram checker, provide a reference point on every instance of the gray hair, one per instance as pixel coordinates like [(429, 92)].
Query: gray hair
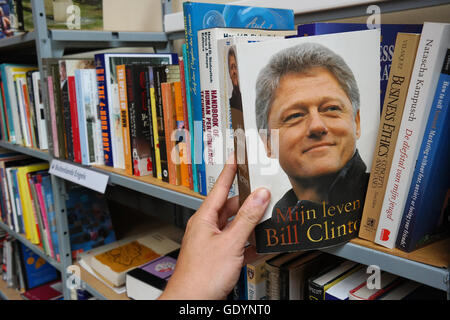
[(300, 59)]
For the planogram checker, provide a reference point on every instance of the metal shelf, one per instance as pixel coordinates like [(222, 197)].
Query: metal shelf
[(33, 247), (44, 155), (27, 38)]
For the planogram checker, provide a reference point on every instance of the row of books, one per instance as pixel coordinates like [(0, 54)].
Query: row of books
[(314, 275), (406, 204), (28, 207)]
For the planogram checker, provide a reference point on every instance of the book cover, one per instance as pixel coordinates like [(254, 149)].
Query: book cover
[(5, 22), (318, 285), (154, 118), (434, 41), (430, 181), (387, 45), (397, 89), (37, 270), (189, 111), (108, 95), (49, 291), (148, 281), (215, 109), (42, 208), (180, 136), (199, 16), (138, 105), (293, 125)]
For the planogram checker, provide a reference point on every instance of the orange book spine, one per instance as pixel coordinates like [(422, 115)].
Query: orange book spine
[(123, 102), (169, 127), (181, 138)]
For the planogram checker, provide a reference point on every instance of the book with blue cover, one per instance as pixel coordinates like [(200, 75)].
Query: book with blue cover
[(388, 36), (198, 16), (430, 181)]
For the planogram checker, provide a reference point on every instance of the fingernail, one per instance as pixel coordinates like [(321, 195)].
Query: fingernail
[(261, 196)]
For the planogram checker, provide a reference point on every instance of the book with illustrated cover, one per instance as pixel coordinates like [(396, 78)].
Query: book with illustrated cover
[(310, 120), (199, 16)]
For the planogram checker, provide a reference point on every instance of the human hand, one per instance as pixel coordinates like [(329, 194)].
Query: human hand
[(212, 250)]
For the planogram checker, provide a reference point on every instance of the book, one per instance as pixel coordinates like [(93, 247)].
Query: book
[(49, 202), (430, 181), (109, 100), (168, 95), (40, 114), (208, 15), (403, 291), (111, 262), (215, 110), (48, 291), (273, 268), (125, 119), (434, 41), (257, 278), (148, 281), (318, 285), (394, 102), (315, 201), (180, 136), (140, 127), (341, 290), (190, 127), (387, 44), (37, 270), (388, 281), (5, 22)]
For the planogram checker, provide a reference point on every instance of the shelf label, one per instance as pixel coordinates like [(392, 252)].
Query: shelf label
[(87, 178)]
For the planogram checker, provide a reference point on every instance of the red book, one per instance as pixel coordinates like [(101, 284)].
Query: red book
[(48, 291), (74, 119)]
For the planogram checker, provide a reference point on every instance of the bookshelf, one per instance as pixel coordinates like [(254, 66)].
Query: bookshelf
[(429, 265)]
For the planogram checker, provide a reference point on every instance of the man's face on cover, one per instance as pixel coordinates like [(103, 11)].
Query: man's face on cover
[(232, 68), (316, 123)]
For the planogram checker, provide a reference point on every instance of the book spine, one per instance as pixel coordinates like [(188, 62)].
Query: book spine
[(186, 156), (160, 77), (149, 118), (29, 96), (154, 119), (38, 187), (139, 127), (40, 112), (81, 114), (5, 127), (190, 119), (25, 141), (182, 164), (7, 104), (13, 110), (66, 116), (169, 127), (58, 111), (434, 41), (97, 141), (103, 110), (52, 113), (394, 102), (28, 114), (74, 119), (429, 183), (121, 81), (194, 80), (273, 282), (315, 291)]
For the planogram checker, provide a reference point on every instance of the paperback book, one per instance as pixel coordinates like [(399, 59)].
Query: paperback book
[(310, 117)]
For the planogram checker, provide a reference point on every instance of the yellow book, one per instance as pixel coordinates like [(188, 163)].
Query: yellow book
[(155, 126), (29, 219)]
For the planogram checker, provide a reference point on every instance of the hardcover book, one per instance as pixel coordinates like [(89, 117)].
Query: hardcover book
[(308, 127), (362, 292), (37, 270), (199, 16), (387, 45), (433, 45), (394, 103)]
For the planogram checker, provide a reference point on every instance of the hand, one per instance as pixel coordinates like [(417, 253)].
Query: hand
[(212, 250)]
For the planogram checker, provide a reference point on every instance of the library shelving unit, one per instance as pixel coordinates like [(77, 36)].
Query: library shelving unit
[(429, 265)]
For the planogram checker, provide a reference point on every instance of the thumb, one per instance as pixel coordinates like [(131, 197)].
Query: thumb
[(249, 215)]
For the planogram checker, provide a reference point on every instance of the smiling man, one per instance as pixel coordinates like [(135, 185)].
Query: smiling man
[(310, 95)]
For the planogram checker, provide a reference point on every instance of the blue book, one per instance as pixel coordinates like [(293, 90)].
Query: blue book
[(106, 80), (431, 177), (388, 36), (51, 213), (198, 16), (190, 118), (37, 270)]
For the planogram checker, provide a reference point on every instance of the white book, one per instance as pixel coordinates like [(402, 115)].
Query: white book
[(341, 290), (17, 137), (214, 104), (434, 41), (19, 81), (39, 112), (15, 210)]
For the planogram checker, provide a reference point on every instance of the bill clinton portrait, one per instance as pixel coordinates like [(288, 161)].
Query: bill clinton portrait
[(310, 96)]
